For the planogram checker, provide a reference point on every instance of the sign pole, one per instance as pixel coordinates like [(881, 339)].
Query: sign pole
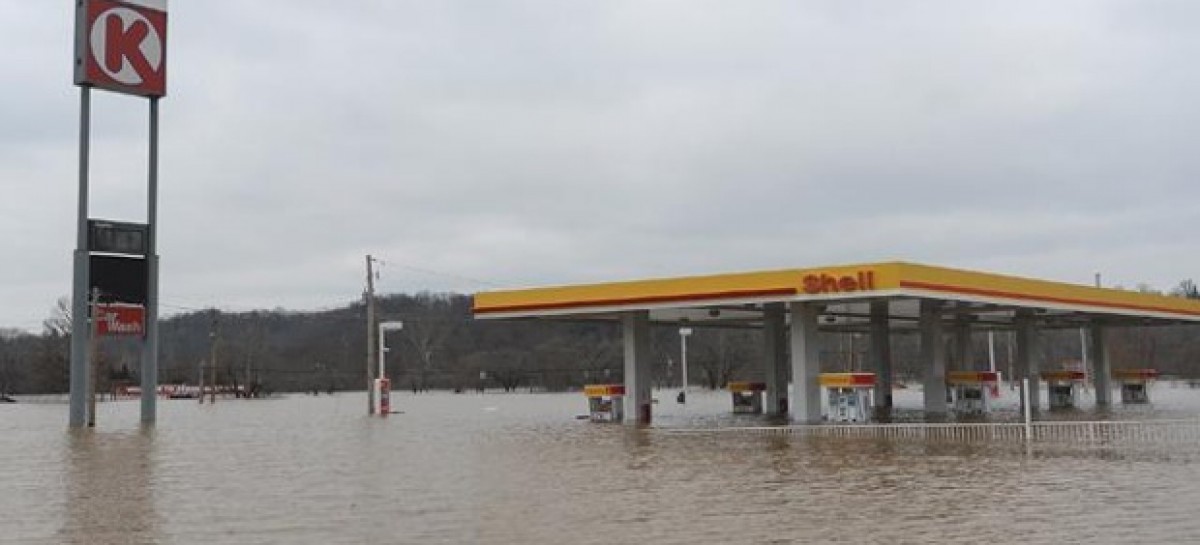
[(79, 286), (120, 46), (93, 356), (150, 342)]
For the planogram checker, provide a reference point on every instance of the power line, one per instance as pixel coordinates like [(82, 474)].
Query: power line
[(442, 273)]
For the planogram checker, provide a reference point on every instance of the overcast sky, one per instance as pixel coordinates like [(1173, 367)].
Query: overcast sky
[(476, 144)]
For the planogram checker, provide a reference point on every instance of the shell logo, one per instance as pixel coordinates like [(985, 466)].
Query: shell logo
[(815, 284)]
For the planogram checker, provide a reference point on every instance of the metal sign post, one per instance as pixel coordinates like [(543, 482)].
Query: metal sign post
[(150, 341), (120, 46), (79, 295)]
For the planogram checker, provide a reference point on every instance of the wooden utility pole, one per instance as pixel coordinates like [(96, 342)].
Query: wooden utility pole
[(214, 336), (201, 396), (370, 302)]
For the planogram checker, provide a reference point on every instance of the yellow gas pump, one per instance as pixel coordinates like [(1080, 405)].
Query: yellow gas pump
[(1064, 388), (972, 391), (1135, 384), (849, 396), (605, 402), (747, 396)]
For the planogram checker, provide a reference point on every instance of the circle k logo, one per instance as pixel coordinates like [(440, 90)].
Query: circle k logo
[(126, 46), (122, 46)]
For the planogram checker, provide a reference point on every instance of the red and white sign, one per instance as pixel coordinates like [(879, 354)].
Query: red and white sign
[(120, 320), (122, 46)]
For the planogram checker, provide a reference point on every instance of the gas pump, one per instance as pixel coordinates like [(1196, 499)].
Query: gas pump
[(1064, 388), (747, 396), (972, 391), (605, 402), (849, 396), (1135, 384)]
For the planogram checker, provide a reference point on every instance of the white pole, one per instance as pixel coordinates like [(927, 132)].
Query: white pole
[(1083, 353), (1028, 411), (382, 350), (683, 365), (991, 351), (384, 327), (1011, 375), (683, 361)]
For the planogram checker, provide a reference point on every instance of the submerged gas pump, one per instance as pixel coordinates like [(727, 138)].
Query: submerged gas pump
[(747, 396), (383, 391), (1064, 388), (1135, 384), (605, 402), (972, 391), (849, 396)]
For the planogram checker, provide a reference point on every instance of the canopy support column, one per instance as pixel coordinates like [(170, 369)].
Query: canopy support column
[(775, 357), (881, 356), (805, 405), (635, 333), (1028, 356), (933, 354), (1101, 365)]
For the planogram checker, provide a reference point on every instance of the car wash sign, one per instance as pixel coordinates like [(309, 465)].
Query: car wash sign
[(122, 46), (120, 320)]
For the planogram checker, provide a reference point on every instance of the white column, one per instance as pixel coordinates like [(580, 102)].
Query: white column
[(1028, 356), (635, 329), (881, 356), (775, 357), (933, 354), (805, 404), (1101, 365)]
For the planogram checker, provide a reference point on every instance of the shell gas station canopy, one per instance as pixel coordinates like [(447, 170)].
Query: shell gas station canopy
[(984, 300)]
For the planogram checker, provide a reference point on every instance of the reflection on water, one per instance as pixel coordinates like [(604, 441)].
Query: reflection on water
[(500, 468), (109, 488)]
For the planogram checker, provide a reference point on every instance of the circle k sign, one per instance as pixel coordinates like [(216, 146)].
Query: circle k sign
[(122, 46)]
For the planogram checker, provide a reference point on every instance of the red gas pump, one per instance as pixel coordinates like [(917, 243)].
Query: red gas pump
[(385, 397)]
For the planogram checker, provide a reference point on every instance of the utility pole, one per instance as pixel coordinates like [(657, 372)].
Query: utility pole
[(214, 336), (246, 389), (201, 380), (370, 302)]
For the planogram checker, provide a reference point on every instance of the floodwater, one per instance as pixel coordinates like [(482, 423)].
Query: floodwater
[(520, 468)]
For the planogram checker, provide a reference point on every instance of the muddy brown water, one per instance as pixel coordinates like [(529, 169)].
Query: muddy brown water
[(520, 468)]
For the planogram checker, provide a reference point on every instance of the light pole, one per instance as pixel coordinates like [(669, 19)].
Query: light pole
[(384, 327), (684, 332), (382, 382)]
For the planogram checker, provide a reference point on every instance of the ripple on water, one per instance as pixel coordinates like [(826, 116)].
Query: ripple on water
[(519, 468)]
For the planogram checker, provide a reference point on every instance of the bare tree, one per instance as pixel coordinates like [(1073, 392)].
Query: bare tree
[(8, 371), (721, 355), (1186, 288), (59, 322), (53, 354), (428, 334)]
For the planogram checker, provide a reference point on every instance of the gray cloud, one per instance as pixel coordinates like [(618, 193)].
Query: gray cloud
[(521, 143)]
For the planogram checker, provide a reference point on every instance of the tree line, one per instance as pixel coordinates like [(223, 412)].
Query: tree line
[(441, 347)]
